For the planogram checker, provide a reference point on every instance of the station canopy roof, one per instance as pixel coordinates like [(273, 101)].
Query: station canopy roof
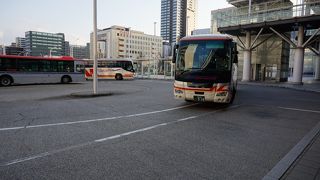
[(240, 3)]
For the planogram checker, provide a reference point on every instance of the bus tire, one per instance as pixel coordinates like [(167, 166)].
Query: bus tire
[(66, 79), (6, 80), (118, 77)]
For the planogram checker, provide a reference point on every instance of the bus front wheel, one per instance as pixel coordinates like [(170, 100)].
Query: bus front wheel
[(118, 77), (5, 81), (65, 79)]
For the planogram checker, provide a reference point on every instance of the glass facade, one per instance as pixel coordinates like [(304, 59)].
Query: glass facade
[(174, 17), (45, 44), (270, 60)]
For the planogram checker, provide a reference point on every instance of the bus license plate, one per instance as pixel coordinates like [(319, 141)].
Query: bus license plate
[(199, 98)]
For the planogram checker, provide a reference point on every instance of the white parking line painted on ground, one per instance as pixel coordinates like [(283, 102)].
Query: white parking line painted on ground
[(16, 161), (41, 155), (295, 109), (95, 120)]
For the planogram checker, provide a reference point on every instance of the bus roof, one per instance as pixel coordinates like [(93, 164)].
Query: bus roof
[(63, 58), (113, 59), (207, 37)]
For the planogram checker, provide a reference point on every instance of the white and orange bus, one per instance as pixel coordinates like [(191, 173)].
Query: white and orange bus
[(35, 69), (206, 68), (118, 69)]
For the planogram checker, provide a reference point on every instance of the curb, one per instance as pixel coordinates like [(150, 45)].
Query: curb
[(90, 94), (279, 170), (286, 86), (147, 78)]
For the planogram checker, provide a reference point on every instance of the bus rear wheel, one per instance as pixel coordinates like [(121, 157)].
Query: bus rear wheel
[(118, 77), (65, 79), (5, 81)]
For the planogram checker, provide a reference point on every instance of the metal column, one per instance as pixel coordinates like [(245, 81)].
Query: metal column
[(142, 69), (298, 58), (95, 61), (317, 67), (247, 58)]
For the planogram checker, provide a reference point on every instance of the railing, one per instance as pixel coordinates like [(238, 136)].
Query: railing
[(154, 69), (265, 12)]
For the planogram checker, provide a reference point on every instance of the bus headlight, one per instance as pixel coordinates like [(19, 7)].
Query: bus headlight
[(177, 91)]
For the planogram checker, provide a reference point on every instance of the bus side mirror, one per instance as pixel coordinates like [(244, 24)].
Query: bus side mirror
[(235, 52), (235, 58), (174, 53)]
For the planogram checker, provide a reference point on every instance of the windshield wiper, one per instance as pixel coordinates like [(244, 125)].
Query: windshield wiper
[(188, 70), (208, 59)]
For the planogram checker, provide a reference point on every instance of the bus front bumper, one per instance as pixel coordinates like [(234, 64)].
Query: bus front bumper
[(198, 95)]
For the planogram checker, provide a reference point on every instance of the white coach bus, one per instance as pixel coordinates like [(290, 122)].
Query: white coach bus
[(118, 69), (206, 68)]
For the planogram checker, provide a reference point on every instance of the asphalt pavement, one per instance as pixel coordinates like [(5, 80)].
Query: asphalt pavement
[(303, 161), (139, 131)]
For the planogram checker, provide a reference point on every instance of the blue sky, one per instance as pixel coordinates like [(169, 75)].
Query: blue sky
[(74, 17)]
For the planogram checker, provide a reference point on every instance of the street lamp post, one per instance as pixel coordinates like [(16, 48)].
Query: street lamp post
[(249, 11), (155, 71), (95, 82), (129, 42), (187, 24)]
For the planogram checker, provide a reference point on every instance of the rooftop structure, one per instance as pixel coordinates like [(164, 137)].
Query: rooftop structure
[(270, 22), (242, 3), (264, 11)]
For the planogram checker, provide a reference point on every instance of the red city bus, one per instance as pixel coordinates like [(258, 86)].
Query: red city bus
[(34, 69)]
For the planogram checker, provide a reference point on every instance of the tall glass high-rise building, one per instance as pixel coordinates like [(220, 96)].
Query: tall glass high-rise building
[(178, 18)]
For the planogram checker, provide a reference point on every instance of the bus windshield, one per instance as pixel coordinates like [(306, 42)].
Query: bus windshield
[(204, 55)]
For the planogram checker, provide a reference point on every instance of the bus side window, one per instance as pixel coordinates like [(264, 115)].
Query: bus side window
[(54, 66), (79, 68), (8, 64)]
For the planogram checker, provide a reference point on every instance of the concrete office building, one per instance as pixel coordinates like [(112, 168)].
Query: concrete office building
[(122, 42), (13, 50), (178, 18), (66, 48), (21, 42), (45, 44), (2, 48), (79, 52)]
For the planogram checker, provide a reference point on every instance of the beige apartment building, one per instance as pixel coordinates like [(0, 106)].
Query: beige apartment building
[(192, 6), (123, 42)]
